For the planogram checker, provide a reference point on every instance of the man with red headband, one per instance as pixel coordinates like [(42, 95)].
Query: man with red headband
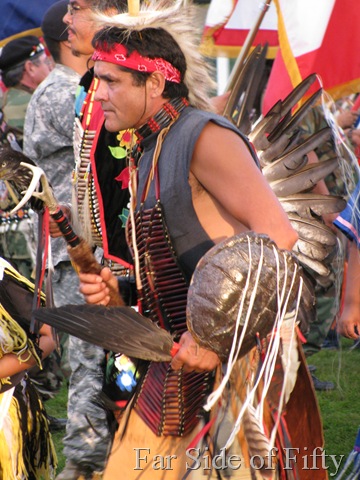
[(194, 181)]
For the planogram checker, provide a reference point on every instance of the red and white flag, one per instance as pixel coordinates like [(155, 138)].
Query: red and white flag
[(316, 36), (228, 22)]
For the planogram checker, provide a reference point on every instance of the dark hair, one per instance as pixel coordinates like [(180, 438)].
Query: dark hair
[(53, 47), (104, 5), (12, 77), (149, 42)]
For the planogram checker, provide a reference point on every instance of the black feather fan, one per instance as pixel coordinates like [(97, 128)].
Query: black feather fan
[(118, 329)]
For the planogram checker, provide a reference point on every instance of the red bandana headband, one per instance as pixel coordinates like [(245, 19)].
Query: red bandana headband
[(119, 56)]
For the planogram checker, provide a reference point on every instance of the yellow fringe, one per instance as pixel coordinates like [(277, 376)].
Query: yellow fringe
[(46, 472), (12, 464), (13, 339), (12, 460)]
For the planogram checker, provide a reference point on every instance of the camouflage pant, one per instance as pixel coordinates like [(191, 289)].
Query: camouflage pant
[(65, 284), (326, 308), (88, 439), (327, 305)]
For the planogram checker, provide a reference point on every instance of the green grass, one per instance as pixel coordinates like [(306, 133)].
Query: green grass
[(339, 408), (57, 408)]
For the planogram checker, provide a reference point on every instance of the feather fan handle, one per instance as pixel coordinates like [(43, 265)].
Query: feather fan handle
[(84, 259)]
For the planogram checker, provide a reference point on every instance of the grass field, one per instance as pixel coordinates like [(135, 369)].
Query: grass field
[(339, 408), (57, 408)]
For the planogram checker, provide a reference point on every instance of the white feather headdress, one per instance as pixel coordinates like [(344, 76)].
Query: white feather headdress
[(180, 20)]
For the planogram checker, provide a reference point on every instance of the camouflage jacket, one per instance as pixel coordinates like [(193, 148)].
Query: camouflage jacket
[(48, 136), (15, 104)]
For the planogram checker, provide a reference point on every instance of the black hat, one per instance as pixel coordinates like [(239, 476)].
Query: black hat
[(19, 50), (52, 25)]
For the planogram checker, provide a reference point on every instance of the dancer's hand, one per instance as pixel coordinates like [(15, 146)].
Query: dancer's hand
[(95, 287), (348, 324), (193, 358)]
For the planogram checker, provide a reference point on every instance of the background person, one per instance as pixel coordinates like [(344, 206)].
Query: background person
[(87, 444), (348, 222), (23, 65)]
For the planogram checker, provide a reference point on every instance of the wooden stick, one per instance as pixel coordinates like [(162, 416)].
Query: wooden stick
[(81, 253)]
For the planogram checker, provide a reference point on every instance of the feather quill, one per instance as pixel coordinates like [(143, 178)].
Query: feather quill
[(308, 204), (312, 248), (242, 82), (319, 267), (304, 179), (289, 122), (267, 124), (280, 137), (243, 120), (258, 134), (295, 158), (298, 92), (313, 229)]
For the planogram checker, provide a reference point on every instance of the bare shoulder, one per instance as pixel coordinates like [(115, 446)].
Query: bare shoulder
[(220, 149), (221, 143)]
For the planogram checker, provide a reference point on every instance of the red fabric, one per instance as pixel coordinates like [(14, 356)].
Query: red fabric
[(235, 38), (356, 105), (120, 56), (335, 61), (45, 239)]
